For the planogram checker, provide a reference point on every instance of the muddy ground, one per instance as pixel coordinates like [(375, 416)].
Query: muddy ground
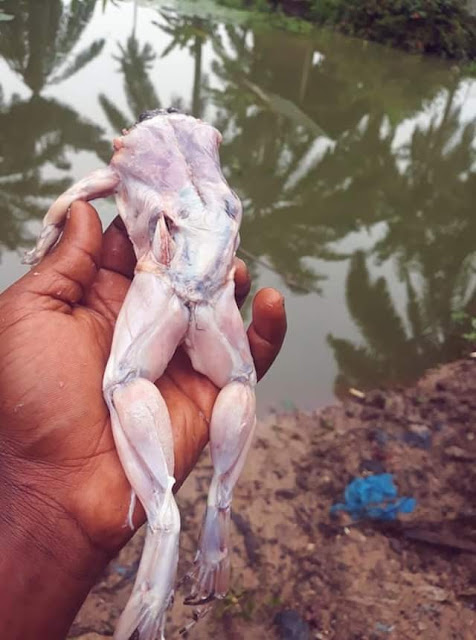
[(299, 573)]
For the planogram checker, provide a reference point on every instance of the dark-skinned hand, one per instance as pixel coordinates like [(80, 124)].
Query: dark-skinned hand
[(56, 326)]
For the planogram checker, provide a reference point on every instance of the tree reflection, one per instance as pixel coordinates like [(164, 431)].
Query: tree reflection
[(265, 138), (33, 134), (430, 230), (134, 63), (37, 132), (312, 172), (191, 33), (38, 43), (315, 141)]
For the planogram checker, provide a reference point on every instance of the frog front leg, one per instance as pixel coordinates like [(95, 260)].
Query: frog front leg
[(218, 347), (99, 184), (151, 324)]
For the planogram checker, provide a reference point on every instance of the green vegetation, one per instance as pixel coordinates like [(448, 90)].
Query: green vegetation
[(469, 69), (242, 603), (468, 323), (237, 603), (264, 14), (442, 27)]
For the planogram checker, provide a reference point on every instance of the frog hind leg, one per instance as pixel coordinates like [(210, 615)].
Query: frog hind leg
[(218, 347), (152, 594), (151, 324), (99, 184)]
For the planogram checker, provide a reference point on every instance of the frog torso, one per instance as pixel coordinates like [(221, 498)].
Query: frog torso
[(183, 221), (179, 211)]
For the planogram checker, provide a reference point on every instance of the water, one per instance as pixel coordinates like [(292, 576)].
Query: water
[(356, 166)]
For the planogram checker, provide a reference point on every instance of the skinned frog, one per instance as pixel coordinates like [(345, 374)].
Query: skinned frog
[(183, 221)]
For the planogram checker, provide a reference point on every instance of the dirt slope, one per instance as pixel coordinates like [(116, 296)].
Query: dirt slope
[(334, 579)]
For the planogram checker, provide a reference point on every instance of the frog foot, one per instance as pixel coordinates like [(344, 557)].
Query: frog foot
[(210, 575), (210, 581)]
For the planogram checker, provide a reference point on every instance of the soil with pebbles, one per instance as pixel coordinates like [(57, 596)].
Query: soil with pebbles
[(299, 573)]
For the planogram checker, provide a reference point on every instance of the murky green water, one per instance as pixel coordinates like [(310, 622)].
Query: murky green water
[(356, 166)]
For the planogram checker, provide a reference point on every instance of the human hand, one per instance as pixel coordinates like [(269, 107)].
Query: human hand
[(58, 457)]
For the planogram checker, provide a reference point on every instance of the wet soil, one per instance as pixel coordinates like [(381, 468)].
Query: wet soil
[(299, 573)]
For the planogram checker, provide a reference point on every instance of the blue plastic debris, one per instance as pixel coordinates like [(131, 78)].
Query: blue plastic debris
[(374, 497)]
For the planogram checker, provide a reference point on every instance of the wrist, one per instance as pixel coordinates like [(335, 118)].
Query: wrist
[(47, 561)]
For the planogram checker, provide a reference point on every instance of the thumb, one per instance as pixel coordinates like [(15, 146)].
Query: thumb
[(67, 273)]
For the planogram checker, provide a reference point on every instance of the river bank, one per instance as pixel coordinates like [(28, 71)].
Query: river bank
[(445, 28), (296, 565)]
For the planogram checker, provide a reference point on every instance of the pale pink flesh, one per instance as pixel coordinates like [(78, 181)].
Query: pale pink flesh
[(218, 347), (182, 292), (99, 184)]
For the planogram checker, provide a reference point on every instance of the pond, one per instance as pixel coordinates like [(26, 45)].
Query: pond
[(355, 164)]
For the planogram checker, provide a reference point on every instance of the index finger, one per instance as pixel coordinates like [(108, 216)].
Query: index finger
[(117, 251), (242, 282)]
